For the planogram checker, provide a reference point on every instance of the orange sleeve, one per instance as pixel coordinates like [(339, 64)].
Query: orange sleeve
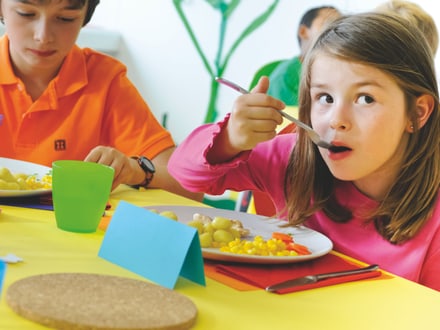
[(129, 124)]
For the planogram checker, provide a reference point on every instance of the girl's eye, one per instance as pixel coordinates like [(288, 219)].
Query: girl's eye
[(325, 99), (365, 99)]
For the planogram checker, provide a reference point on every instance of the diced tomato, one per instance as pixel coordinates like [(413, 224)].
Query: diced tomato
[(286, 238), (298, 248)]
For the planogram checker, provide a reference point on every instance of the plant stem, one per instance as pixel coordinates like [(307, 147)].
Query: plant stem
[(211, 114)]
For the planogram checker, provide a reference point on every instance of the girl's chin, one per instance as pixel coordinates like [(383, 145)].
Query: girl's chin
[(343, 175)]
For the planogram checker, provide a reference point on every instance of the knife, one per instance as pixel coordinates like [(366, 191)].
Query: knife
[(309, 279)]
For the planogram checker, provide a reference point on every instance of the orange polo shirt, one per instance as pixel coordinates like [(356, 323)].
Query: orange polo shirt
[(90, 102)]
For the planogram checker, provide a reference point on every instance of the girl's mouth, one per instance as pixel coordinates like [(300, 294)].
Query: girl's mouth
[(339, 152), (338, 149)]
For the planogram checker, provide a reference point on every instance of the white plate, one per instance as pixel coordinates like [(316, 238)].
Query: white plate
[(19, 166), (317, 243)]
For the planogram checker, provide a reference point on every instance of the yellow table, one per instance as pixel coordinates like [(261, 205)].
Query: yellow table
[(370, 304)]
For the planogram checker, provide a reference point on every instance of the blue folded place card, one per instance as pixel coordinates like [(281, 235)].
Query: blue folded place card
[(155, 247), (2, 274)]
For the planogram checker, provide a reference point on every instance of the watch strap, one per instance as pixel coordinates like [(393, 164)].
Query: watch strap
[(149, 173)]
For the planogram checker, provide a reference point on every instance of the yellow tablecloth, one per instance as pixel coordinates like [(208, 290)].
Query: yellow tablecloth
[(370, 304)]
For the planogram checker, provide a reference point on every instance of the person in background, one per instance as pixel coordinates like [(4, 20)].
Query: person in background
[(285, 78), (58, 101), (416, 15), (375, 193)]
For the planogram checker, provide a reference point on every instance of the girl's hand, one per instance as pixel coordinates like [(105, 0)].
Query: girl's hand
[(126, 169), (254, 118)]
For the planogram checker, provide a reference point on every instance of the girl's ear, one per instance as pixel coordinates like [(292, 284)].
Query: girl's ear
[(425, 105)]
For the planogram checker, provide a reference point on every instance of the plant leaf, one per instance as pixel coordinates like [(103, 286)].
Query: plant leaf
[(255, 24), (178, 5), (216, 4), (231, 7)]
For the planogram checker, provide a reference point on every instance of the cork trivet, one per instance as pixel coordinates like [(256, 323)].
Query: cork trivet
[(97, 302)]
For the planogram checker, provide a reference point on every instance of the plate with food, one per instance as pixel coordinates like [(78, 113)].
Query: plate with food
[(227, 235), (19, 178)]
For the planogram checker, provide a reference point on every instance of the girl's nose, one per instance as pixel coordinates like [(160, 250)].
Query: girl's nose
[(338, 125), (339, 119)]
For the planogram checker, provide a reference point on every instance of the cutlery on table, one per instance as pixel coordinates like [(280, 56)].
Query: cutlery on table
[(310, 279), (310, 132)]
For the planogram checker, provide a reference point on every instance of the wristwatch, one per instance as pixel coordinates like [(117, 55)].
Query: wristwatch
[(148, 167)]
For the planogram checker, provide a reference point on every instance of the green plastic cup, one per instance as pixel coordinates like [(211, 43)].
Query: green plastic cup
[(80, 191)]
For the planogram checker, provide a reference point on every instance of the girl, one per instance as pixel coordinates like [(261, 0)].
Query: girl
[(58, 101), (369, 88)]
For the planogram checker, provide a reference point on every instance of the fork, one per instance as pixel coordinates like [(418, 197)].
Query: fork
[(310, 132)]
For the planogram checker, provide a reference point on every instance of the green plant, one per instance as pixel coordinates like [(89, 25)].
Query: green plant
[(220, 63)]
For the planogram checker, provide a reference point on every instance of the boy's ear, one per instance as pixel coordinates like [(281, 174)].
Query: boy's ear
[(303, 32), (425, 105)]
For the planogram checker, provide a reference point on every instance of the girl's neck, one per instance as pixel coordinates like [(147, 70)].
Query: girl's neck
[(378, 184), (375, 188)]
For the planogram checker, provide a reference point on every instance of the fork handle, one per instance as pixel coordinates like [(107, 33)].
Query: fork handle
[(232, 85), (296, 121), (241, 90)]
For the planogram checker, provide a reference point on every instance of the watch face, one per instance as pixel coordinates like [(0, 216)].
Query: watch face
[(146, 164)]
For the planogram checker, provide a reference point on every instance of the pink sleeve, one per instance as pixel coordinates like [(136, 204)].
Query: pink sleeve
[(430, 270), (251, 170), (189, 166)]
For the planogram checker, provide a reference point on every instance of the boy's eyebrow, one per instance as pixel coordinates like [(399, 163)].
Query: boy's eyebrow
[(70, 6), (26, 2)]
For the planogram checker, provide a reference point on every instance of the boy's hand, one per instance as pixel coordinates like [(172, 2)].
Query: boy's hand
[(126, 169)]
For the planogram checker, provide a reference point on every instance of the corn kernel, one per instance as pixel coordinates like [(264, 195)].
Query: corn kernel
[(258, 247), (21, 181)]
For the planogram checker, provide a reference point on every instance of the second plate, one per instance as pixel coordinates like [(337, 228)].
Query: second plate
[(317, 243)]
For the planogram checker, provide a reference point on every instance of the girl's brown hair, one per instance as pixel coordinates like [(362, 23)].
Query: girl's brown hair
[(388, 44)]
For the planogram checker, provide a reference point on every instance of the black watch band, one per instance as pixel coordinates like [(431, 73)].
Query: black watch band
[(148, 167)]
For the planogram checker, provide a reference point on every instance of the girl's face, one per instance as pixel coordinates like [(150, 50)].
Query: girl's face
[(361, 109), (41, 33)]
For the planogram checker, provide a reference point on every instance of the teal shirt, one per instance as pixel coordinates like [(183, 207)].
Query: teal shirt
[(284, 81)]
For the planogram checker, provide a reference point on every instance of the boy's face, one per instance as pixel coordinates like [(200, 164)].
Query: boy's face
[(309, 34), (41, 33)]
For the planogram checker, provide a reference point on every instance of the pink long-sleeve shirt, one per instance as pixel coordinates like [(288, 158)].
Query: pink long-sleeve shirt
[(264, 168)]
